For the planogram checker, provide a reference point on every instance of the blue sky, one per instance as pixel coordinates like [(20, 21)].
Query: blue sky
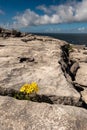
[(55, 16)]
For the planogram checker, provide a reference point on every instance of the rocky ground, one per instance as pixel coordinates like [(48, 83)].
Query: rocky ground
[(79, 54), (60, 71)]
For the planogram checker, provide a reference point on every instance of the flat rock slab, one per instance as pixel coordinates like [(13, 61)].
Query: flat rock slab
[(84, 95), (81, 76), (26, 115), (16, 69), (79, 55)]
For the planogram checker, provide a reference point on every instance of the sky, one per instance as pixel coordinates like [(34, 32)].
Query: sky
[(44, 16)]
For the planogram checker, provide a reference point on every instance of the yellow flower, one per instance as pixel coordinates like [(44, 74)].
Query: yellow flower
[(24, 87), (30, 88)]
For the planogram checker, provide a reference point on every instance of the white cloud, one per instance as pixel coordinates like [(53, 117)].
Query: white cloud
[(71, 12), (44, 8), (1, 12), (27, 18)]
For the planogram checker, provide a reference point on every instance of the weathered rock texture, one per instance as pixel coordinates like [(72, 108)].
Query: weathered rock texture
[(5, 33), (84, 95), (26, 115), (36, 60), (79, 54), (49, 62), (81, 76)]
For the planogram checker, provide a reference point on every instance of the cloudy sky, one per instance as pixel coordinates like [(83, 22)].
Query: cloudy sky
[(58, 16)]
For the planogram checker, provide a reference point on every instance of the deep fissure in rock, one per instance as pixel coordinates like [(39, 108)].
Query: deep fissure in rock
[(70, 67), (23, 96), (51, 99), (66, 65)]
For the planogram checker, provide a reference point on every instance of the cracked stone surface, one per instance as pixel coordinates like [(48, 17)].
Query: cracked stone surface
[(81, 76), (79, 54), (25, 115), (84, 95), (45, 69), (37, 59)]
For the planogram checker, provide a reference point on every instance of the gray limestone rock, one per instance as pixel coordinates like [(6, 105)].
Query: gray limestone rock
[(44, 68), (81, 76), (84, 95), (38, 60), (74, 68), (26, 115)]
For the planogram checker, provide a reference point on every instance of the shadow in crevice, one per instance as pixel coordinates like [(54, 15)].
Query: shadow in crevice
[(77, 87), (25, 59), (42, 98), (23, 96), (84, 105), (2, 45)]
